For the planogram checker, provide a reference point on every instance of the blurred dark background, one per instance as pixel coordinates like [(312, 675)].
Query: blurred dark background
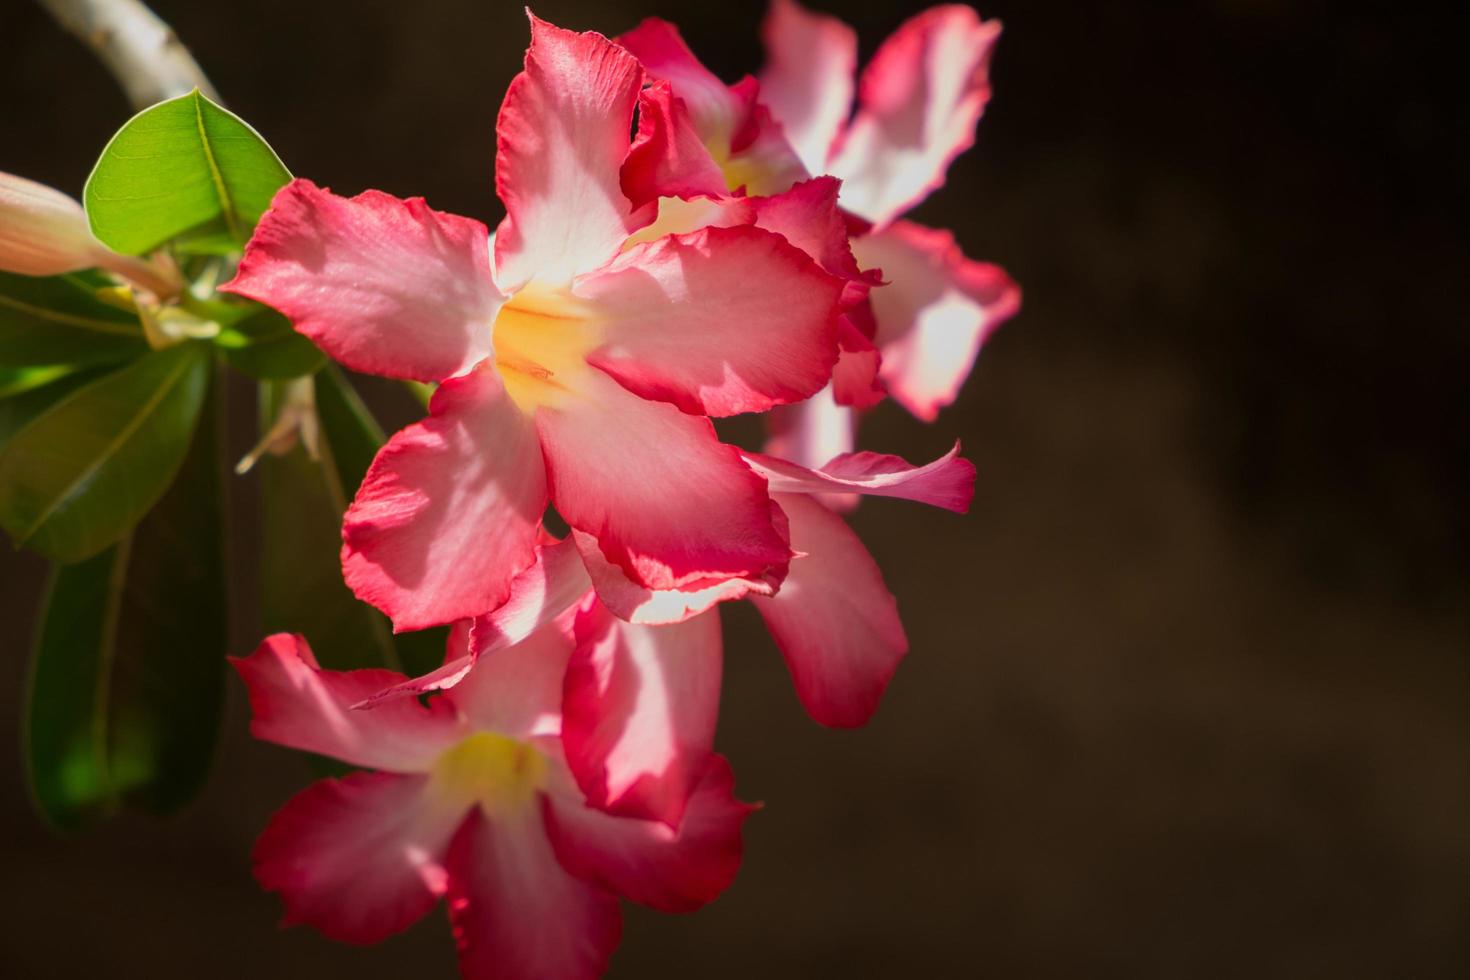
[(1190, 689)]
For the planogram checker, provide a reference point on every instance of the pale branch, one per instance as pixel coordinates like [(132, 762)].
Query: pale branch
[(141, 51)]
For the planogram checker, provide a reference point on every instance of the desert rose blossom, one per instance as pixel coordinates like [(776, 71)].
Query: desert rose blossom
[(918, 103), (44, 232), (635, 746), (642, 685), (578, 367), (469, 799), (833, 619), (710, 153)]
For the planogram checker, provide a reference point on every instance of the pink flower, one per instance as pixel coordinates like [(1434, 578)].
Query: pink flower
[(470, 800), (642, 686), (833, 618), (918, 102), (917, 106), (579, 367)]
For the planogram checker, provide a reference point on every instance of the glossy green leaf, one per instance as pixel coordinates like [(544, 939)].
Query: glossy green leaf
[(301, 589), (18, 381), (66, 714), (184, 169), (168, 681), (79, 476), (51, 320), (27, 393), (127, 676), (264, 345), (302, 502), (355, 435)]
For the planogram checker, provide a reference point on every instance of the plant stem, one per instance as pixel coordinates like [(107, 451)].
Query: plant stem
[(141, 51)]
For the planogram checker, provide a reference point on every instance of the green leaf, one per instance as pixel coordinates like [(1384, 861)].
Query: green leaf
[(26, 393), (183, 169), (355, 436), (66, 713), (302, 502), (79, 476), (52, 320), (127, 674), (264, 345), (172, 636)]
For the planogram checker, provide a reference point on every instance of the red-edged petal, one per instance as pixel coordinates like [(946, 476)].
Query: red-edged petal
[(561, 138), (666, 500), (669, 869), (935, 313), (918, 102), (812, 432), (359, 858), (636, 603), (668, 159), (297, 704), (448, 514), (639, 709), (807, 216), (517, 690), (384, 285), (553, 585), (808, 77), (718, 322), (714, 110), (539, 595), (762, 161), (947, 482), (855, 380), (835, 621), (517, 914)]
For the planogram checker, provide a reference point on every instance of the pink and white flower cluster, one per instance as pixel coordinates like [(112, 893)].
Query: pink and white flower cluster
[(742, 251)]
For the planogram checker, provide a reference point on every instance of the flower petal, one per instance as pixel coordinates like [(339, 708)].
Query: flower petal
[(359, 858), (561, 138), (807, 216), (762, 161), (918, 102), (812, 432), (384, 285), (835, 621), (937, 310), (668, 159), (635, 603), (517, 914), (808, 77), (714, 110), (538, 595), (639, 711), (448, 514), (948, 482), (297, 704), (855, 380), (669, 869), (717, 322), (666, 501), (517, 690)]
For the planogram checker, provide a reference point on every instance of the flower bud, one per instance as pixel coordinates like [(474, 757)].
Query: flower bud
[(42, 231)]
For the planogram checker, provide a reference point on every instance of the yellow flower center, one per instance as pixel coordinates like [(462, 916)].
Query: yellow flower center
[(542, 337), (496, 772)]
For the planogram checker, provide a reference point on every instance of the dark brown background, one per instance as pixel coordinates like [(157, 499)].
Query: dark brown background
[(1190, 690)]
